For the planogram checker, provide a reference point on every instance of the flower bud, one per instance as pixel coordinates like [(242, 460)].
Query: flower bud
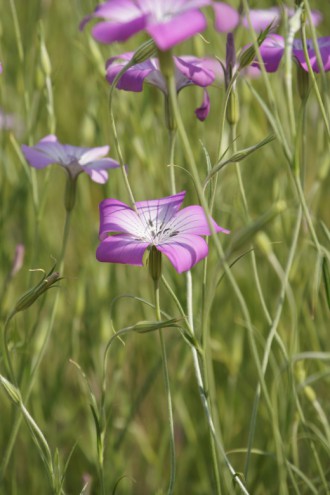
[(32, 295), (232, 110), (144, 52), (12, 391), (263, 243)]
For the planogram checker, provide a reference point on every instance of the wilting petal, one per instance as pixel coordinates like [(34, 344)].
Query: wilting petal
[(184, 251), (203, 111), (178, 29), (192, 220), (195, 70), (121, 249), (97, 169), (226, 17)]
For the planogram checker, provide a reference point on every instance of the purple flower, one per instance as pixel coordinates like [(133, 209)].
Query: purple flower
[(158, 223), (73, 158), (272, 51), (0, 67), (262, 18), (188, 70), (168, 22)]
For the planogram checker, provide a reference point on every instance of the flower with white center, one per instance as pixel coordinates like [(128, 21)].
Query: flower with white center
[(158, 223)]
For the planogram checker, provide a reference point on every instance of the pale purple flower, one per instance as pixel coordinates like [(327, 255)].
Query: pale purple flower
[(227, 18), (168, 22), (0, 67), (189, 70), (272, 51), (74, 159), (159, 223), (262, 18)]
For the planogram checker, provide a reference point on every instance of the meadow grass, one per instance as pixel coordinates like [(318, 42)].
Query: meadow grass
[(253, 319)]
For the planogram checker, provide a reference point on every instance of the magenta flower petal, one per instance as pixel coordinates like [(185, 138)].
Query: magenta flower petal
[(134, 77), (185, 251), (226, 17), (121, 249), (324, 47), (203, 111), (272, 50), (118, 217), (178, 29), (168, 22), (159, 223), (192, 220), (74, 159), (195, 70), (109, 32)]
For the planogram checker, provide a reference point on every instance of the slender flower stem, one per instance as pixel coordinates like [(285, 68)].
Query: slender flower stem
[(17, 423), (172, 139), (116, 141), (190, 314), (168, 392)]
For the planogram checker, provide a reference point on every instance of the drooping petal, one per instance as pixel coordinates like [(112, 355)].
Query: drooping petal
[(226, 17), (157, 212), (192, 220), (108, 32), (133, 78), (203, 111), (97, 169), (178, 29), (196, 70), (184, 251), (116, 216), (121, 249)]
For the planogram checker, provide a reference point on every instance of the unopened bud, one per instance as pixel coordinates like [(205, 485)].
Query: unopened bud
[(45, 60), (310, 394), (33, 294), (263, 243), (11, 390), (144, 52), (232, 110)]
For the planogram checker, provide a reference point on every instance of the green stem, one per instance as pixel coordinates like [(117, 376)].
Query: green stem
[(190, 314), (41, 354), (167, 391)]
